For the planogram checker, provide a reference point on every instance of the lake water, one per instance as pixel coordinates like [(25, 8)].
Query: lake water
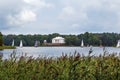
[(56, 51)]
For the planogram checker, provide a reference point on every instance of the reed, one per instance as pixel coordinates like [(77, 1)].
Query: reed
[(66, 67)]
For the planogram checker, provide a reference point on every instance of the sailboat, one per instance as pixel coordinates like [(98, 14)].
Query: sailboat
[(82, 43), (21, 44), (91, 50), (118, 44), (13, 43), (36, 43)]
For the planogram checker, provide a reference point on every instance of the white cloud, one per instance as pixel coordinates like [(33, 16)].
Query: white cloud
[(75, 25), (82, 15), (38, 3), (25, 16), (72, 16), (69, 10), (67, 13), (94, 13), (27, 12)]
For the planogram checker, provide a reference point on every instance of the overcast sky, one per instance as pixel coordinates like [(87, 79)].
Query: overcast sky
[(59, 16)]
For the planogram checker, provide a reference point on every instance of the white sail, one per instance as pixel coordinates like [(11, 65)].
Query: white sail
[(118, 44), (36, 43), (82, 43), (12, 43), (21, 44)]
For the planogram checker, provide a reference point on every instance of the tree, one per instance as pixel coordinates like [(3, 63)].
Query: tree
[(95, 39), (1, 39)]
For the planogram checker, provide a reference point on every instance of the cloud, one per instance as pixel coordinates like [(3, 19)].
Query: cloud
[(67, 13), (71, 14), (27, 12), (94, 15), (38, 4), (25, 16), (75, 25), (66, 16)]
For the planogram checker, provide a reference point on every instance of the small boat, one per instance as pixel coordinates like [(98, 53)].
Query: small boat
[(13, 43), (21, 44), (104, 50), (36, 43), (118, 44), (82, 43), (91, 50)]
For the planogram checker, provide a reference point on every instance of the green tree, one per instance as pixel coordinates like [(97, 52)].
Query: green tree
[(72, 40), (95, 39), (1, 39)]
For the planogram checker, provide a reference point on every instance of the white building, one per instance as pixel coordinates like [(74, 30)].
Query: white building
[(45, 41), (58, 40)]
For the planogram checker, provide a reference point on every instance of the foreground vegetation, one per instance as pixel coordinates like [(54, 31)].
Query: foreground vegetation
[(7, 47), (74, 67)]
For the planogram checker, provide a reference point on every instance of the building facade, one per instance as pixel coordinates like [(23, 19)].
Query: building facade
[(58, 40)]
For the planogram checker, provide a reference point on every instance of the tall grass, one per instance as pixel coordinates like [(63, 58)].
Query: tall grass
[(72, 67)]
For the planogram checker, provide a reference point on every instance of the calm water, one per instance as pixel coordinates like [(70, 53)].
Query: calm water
[(56, 51)]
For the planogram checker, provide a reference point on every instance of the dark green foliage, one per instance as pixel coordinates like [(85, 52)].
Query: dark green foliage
[(95, 39), (72, 40), (73, 67), (1, 39)]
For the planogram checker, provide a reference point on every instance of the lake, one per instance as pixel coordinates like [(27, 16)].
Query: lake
[(56, 51)]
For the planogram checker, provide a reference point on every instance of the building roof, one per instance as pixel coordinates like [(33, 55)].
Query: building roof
[(58, 37)]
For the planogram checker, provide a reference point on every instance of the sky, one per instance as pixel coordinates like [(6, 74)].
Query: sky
[(59, 16)]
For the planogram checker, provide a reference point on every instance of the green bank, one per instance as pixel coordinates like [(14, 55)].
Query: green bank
[(7, 47)]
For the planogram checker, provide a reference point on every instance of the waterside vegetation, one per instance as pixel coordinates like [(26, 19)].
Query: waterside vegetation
[(72, 67), (2, 46), (7, 47)]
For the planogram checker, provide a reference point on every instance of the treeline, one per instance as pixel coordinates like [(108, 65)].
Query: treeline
[(1, 39), (95, 39)]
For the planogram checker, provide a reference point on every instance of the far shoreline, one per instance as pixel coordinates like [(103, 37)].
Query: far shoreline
[(7, 47)]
